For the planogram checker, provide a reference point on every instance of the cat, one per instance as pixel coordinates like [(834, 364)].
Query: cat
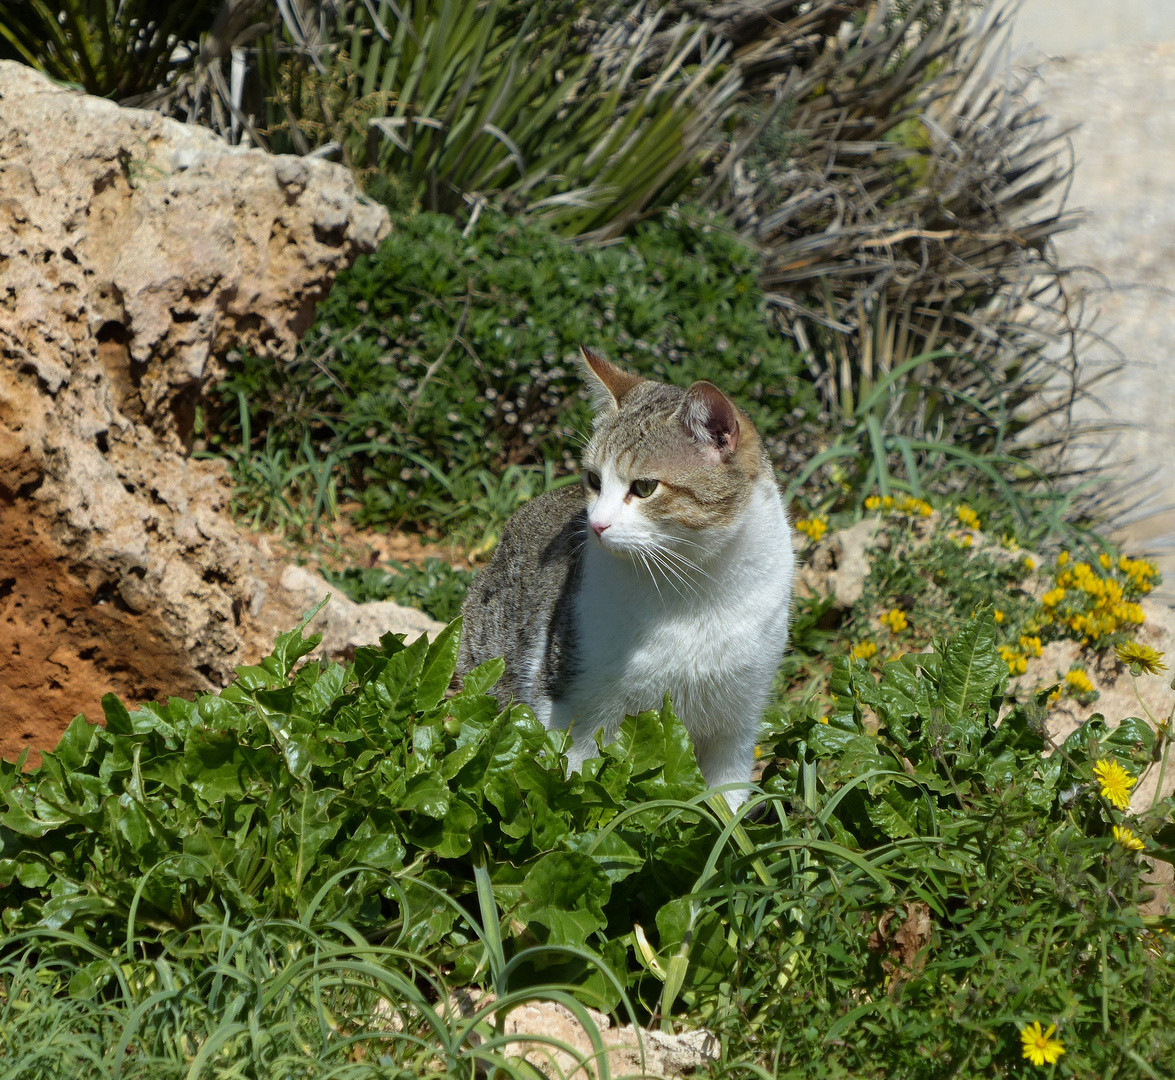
[(668, 570)]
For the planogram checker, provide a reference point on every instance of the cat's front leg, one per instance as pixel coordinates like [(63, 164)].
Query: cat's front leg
[(727, 759)]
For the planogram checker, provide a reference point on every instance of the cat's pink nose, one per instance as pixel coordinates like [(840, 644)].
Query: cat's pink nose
[(598, 527)]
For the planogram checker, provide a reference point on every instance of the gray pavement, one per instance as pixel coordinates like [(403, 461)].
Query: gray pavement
[(1108, 70)]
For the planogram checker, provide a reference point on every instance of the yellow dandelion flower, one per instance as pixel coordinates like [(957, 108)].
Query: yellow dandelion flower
[(1115, 781), (1143, 656), (1079, 681), (1062, 558), (967, 516), (998, 615), (864, 650), (894, 621), (1127, 839), (1039, 1046), (814, 527)]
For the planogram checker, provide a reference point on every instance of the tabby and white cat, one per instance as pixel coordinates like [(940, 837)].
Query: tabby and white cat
[(668, 571)]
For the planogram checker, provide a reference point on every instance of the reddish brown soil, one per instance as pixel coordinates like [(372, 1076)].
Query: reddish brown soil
[(66, 639)]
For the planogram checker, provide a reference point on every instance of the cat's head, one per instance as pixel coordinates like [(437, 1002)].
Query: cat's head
[(665, 466)]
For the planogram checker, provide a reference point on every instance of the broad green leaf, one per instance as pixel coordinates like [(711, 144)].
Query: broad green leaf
[(565, 893), (614, 855), (291, 647), (439, 666), (427, 794), (711, 960), (895, 814), (213, 764), (76, 743), (971, 671), (483, 677), (641, 742), (118, 720)]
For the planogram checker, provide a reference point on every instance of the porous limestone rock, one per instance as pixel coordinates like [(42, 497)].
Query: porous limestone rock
[(344, 624), (550, 1037), (838, 564), (134, 252)]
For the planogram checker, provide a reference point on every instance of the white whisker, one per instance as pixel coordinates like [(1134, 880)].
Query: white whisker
[(672, 576), (682, 562)]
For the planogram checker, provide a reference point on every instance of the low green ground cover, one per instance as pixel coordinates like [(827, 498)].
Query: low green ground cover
[(434, 586), (230, 886)]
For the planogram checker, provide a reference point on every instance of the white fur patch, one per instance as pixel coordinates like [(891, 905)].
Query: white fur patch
[(702, 616)]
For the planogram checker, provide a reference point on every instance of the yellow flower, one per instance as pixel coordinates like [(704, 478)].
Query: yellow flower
[(998, 615), (967, 516), (1133, 653), (1116, 782), (1079, 682), (1133, 613), (909, 505), (1127, 839), (894, 620), (824, 719), (873, 502), (1055, 696), (1030, 644), (1009, 541), (1105, 560), (1029, 562), (1039, 1045), (1017, 664), (814, 527), (1062, 558), (1053, 597), (758, 752), (864, 650)]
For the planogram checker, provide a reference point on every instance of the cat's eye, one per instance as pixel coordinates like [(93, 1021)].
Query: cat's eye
[(642, 489), (593, 480)]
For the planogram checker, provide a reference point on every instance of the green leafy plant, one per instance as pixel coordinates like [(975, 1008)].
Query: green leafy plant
[(362, 794), (923, 887), (1004, 864)]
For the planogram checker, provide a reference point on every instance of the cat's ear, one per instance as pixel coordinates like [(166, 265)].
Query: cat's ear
[(708, 415), (607, 383)]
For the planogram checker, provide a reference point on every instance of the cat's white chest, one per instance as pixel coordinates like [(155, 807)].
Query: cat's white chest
[(711, 640)]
